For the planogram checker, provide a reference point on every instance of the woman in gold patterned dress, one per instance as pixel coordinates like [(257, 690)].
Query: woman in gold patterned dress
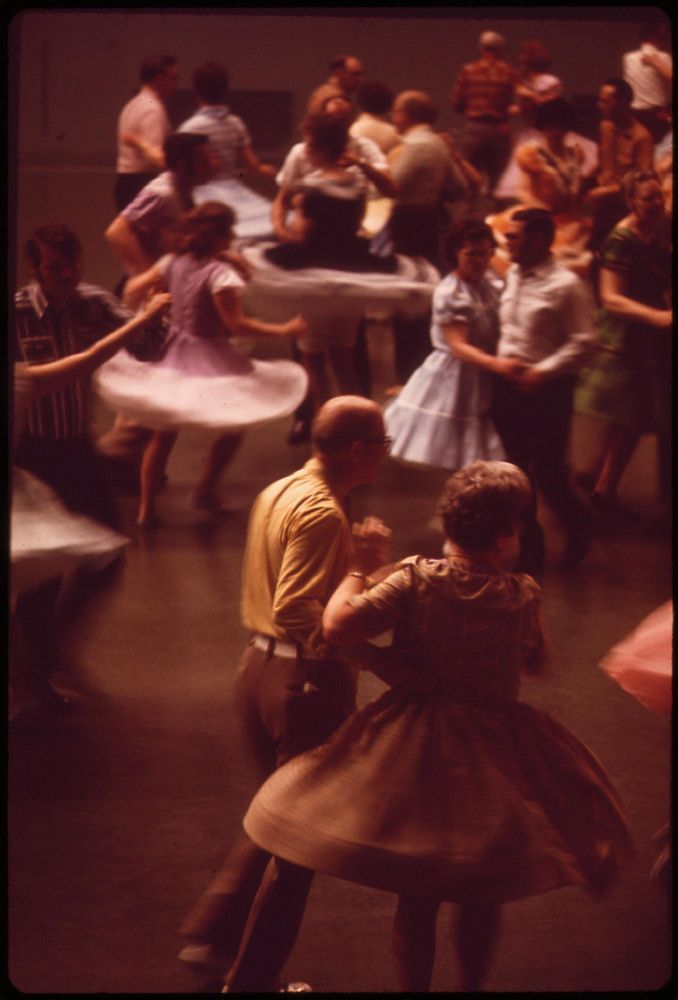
[(447, 788)]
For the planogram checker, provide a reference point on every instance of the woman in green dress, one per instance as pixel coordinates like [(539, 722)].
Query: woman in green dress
[(628, 383)]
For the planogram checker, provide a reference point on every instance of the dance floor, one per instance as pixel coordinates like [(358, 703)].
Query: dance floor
[(120, 812)]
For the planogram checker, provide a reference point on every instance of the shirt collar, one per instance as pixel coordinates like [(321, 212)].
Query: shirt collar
[(538, 270), (37, 298), (216, 110)]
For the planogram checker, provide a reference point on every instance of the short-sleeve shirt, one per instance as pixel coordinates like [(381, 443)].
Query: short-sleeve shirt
[(484, 90), (297, 552), (546, 318), (227, 135), (43, 334), (154, 213), (145, 115)]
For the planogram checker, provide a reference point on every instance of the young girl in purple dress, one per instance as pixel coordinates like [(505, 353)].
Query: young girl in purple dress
[(202, 380)]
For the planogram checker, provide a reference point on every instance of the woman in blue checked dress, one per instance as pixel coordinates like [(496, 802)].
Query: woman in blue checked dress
[(441, 416)]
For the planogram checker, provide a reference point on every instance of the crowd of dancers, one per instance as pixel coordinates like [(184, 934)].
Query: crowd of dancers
[(525, 272)]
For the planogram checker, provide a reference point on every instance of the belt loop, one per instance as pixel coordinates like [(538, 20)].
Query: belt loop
[(271, 648)]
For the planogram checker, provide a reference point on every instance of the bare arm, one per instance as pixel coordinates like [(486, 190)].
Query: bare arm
[(456, 335), (126, 247), (237, 324), (137, 288), (251, 162), (281, 206), (381, 179), (660, 63), (54, 375), (153, 153), (614, 300)]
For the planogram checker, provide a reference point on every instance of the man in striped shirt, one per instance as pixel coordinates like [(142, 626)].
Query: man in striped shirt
[(58, 315)]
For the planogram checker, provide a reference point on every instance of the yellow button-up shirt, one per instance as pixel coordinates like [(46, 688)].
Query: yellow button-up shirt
[(297, 552)]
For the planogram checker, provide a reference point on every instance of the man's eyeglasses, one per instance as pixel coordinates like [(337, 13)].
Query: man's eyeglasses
[(385, 441)]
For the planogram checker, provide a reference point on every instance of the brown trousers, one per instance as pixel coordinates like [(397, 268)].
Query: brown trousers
[(284, 706)]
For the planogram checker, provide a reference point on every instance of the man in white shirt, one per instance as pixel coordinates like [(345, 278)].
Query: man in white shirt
[(143, 126), (649, 72), (375, 101), (546, 321)]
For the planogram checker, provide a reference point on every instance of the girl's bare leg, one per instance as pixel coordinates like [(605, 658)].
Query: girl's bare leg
[(221, 453), (414, 943), (620, 445), (152, 468), (476, 937)]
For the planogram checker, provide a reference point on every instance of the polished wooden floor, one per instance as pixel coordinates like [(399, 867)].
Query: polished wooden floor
[(120, 812)]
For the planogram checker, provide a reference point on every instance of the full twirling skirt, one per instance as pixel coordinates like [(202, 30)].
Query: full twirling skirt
[(276, 293), (642, 662), (430, 797), (48, 540), (202, 383)]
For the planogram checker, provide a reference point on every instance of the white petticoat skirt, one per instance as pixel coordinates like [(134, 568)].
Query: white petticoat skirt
[(275, 293), (164, 398), (48, 540)]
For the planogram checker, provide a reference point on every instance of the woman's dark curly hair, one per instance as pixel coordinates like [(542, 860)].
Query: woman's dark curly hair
[(483, 501)]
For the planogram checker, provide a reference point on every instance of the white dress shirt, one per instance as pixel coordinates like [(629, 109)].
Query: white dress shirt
[(650, 89), (145, 115), (546, 318)]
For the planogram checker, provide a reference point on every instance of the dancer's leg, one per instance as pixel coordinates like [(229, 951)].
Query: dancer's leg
[(414, 942), (476, 937), (152, 468), (341, 359), (621, 443), (319, 384), (221, 453)]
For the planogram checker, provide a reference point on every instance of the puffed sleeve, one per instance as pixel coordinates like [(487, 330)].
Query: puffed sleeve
[(222, 276), (452, 302), (380, 607)]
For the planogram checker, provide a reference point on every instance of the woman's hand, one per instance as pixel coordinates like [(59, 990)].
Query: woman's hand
[(371, 542), (157, 303), (510, 368), (295, 327)]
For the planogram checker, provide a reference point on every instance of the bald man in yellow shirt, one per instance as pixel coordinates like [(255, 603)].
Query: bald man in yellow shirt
[(290, 692)]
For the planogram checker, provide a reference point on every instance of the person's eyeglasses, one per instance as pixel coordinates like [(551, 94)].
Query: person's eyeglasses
[(385, 441)]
